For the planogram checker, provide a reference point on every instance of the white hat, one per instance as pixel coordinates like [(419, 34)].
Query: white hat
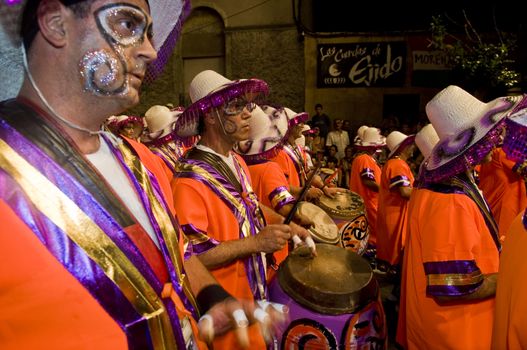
[(295, 118), (360, 132), (466, 127), (371, 139), (160, 122), (210, 89), (167, 16), (268, 131), (397, 141), (426, 139)]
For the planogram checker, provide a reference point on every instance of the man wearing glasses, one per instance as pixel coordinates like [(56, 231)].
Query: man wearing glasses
[(214, 199)]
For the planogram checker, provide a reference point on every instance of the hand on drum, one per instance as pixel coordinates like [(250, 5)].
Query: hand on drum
[(302, 237), (332, 191), (238, 315), (272, 238), (313, 194)]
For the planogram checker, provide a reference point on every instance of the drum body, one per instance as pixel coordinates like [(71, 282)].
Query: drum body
[(349, 214), (333, 299), (325, 230)]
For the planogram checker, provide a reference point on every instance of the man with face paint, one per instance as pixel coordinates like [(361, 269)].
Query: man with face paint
[(90, 247), (215, 202)]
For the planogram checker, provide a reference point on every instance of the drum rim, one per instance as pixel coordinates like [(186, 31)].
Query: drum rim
[(314, 233), (338, 215), (357, 300)]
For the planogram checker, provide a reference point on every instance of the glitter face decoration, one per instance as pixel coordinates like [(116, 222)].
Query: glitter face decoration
[(105, 71)]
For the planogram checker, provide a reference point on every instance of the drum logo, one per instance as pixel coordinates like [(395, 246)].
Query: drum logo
[(354, 234)]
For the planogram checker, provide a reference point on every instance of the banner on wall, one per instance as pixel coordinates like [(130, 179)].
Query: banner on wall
[(430, 69), (377, 64)]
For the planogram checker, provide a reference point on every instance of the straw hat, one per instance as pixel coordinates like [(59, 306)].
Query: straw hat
[(117, 122), (160, 123), (295, 118), (426, 139), (209, 90), (360, 134), (515, 141), (468, 129), (268, 131), (167, 16), (371, 139), (396, 142)]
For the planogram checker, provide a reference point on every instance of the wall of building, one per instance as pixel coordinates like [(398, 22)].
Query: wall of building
[(255, 38), (259, 40)]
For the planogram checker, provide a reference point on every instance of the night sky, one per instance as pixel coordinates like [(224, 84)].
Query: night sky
[(375, 16)]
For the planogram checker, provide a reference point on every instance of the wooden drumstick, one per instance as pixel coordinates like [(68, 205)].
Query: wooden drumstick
[(303, 192)]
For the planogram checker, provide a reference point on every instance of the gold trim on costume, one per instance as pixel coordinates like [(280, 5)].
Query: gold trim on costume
[(455, 279), (163, 219), (93, 240)]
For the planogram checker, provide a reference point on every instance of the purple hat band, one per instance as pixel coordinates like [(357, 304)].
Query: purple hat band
[(515, 142)]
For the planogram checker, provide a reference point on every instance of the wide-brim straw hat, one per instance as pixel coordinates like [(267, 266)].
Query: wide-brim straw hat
[(160, 124), (515, 141), (371, 139), (426, 139), (117, 122), (396, 142), (268, 131), (468, 129), (295, 118), (167, 15), (209, 90)]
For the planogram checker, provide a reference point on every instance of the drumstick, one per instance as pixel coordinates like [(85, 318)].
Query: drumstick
[(303, 192)]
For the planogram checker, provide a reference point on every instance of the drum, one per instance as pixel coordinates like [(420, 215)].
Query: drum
[(325, 230), (349, 214), (333, 299)]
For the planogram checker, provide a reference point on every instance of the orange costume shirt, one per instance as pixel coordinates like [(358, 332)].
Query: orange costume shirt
[(503, 189), (510, 318), (293, 162), (272, 189), (393, 210), (449, 248), (211, 210), (45, 303), (364, 166)]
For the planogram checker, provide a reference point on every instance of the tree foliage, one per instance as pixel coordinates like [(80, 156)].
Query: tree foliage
[(483, 61)]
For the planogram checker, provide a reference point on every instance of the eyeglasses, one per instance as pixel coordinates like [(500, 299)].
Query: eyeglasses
[(237, 106)]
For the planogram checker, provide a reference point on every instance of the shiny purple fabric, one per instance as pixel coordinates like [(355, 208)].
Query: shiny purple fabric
[(455, 267), (197, 248), (71, 256), (283, 202)]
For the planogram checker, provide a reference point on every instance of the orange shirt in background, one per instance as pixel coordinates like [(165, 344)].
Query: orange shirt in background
[(510, 318), (503, 189), (393, 210), (365, 166)]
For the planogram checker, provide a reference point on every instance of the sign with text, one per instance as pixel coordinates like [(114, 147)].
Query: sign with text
[(361, 64)]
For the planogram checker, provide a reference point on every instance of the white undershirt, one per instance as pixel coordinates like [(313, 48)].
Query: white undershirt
[(110, 168), (229, 159)]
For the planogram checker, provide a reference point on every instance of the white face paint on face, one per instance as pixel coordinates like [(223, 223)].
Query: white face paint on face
[(105, 71)]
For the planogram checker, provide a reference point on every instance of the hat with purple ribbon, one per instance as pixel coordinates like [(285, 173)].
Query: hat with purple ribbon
[(396, 142), (268, 132), (468, 129), (209, 90), (515, 141)]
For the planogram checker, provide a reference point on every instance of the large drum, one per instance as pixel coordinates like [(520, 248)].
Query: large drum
[(333, 299), (324, 230), (349, 214)]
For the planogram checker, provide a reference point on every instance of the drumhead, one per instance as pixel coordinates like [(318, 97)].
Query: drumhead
[(325, 230), (346, 205), (336, 281)]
